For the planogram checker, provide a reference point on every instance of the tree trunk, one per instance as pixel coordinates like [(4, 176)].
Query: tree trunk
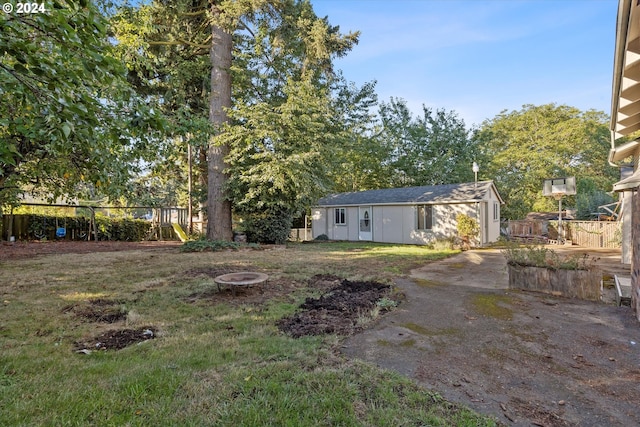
[(218, 206)]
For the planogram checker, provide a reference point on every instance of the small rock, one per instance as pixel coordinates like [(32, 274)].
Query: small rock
[(561, 402)]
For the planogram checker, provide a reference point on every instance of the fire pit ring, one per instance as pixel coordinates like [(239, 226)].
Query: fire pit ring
[(241, 278)]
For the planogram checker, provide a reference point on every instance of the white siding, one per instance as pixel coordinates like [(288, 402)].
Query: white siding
[(491, 225), (352, 223), (318, 222), (389, 224)]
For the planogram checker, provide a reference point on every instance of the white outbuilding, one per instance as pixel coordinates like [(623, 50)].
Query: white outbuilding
[(412, 215)]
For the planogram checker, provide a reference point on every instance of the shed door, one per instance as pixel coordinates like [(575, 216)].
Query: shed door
[(365, 223)]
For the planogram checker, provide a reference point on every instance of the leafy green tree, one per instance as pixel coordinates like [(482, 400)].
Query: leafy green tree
[(589, 197), (68, 122), (358, 156), (435, 148), (522, 148)]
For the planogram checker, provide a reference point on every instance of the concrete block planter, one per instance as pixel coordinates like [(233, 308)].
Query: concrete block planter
[(582, 284)]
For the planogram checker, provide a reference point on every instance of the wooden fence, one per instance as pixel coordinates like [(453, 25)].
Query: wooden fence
[(300, 234), (595, 234), (591, 234)]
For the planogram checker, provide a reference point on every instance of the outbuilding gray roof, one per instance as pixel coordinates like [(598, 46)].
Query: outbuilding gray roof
[(430, 194)]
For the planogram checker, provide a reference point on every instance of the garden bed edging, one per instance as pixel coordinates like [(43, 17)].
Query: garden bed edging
[(582, 284)]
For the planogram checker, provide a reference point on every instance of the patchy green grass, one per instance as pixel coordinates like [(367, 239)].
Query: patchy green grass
[(215, 361), (492, 305), (408, 343)]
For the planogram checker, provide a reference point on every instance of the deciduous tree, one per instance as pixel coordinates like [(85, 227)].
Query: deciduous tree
[(68, 121), (522, 148), (434, 148)]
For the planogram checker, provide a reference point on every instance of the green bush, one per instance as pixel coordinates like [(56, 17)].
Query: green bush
[(468, 229), (43, 227), (539, 256), (123, 229), (271, 227)]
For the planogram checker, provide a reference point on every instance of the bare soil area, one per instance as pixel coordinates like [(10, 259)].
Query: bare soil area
[(22, 250), (337, 311)]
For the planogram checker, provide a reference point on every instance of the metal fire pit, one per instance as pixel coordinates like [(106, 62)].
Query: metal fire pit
[(241, 278)]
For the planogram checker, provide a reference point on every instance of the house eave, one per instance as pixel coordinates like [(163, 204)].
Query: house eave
[(623, 151), (629, 183), (625, 99)]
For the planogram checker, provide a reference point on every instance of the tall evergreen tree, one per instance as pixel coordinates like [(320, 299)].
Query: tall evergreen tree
[(262, 54)]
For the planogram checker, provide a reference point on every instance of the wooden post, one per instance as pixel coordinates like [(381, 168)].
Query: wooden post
[(10, 225), (189, 207)]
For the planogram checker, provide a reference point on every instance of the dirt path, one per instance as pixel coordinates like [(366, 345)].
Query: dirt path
[(527, 359)]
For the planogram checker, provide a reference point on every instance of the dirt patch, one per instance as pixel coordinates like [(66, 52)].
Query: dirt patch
[(98, 310), (325, 282), (274, 288), (22, 250), (525, 358), (339, 311), (115, 340)]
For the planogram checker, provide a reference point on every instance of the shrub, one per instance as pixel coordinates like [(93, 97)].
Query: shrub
[(44, 227), (322, 237), (467, 229), (269, 227), (539, 256)]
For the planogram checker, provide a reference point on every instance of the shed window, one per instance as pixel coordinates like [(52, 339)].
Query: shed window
[(425, 217), (341, 216), (496, 211)]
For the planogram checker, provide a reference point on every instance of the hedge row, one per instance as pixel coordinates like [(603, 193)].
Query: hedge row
[(29, 227)]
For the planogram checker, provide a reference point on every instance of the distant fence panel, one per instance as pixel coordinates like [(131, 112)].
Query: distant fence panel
[(300, 234), (590, 234), (528, 230), (594, 234)]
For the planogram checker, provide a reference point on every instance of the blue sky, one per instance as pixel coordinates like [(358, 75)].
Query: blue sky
[(479, 57)]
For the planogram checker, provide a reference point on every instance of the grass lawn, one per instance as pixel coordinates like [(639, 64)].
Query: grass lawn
[(215, 361)]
